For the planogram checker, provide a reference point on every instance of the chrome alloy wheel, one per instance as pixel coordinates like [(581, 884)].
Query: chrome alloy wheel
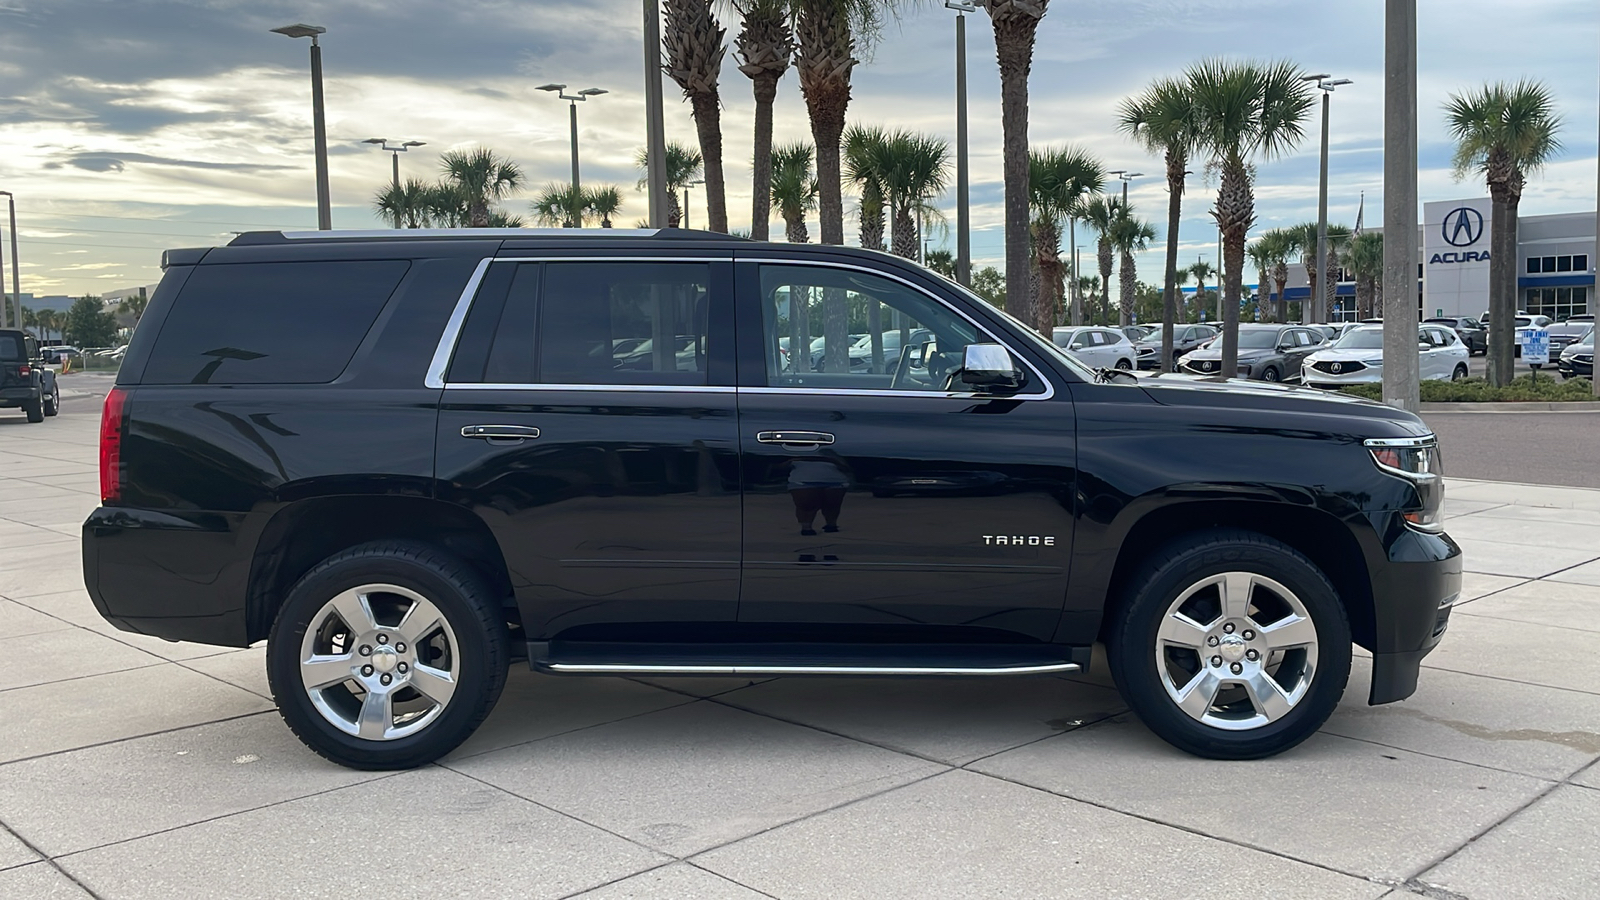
[(1236, 651), (379, 662)]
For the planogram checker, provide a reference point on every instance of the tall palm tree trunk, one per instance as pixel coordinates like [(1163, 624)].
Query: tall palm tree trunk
[(871, 217), (693, 40), (1130, 282), (708, 123), (1106, 260), (1280, 277), (1016, 24), (1046, 263), (1235, 212), (903, 232), (1505, 190), (794, 229), (766, 91), (1177, 163), (825, 58)]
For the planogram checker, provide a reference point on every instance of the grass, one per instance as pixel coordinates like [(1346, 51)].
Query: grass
[(1549, 388)]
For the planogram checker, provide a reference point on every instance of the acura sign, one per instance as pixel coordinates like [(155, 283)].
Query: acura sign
[(1456, 238)]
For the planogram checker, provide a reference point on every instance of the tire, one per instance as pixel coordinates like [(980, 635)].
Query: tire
[(1306, 666), (1124, 364), (1460, 373), (460, 657), (34, 409), (1270, 374), (52, 401)]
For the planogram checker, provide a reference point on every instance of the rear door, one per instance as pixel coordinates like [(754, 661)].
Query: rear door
[(892, 502), (589, 419)]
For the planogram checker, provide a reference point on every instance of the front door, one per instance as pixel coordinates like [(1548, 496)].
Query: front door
[(881, 496), (589, 420)]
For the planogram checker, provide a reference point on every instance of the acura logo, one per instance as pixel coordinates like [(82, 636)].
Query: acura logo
[(1337, 368), (1462, 226)]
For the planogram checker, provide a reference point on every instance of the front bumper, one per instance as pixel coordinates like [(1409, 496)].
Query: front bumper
[(1572, 367), (1318, 378), (1413, 590)]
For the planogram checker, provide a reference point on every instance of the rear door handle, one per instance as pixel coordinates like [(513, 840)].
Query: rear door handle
[(500, 434), (813, 438)]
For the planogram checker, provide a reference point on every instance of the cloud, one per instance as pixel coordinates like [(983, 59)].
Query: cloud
[(107, 162)]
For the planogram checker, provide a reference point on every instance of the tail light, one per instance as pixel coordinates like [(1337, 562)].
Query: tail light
[(24, 370), (113, 419)]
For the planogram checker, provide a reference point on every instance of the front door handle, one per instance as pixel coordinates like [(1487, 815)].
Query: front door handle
[(794, 438), (500, 434)]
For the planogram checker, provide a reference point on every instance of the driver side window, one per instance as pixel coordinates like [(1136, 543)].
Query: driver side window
[(884, 336)]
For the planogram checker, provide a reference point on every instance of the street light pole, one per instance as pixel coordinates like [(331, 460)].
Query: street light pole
[(655, 127), (963, 175), (686, 199), (1319, 303), (16, 284), (383, 144), (560, 90), (1400, 372), (318, 126)]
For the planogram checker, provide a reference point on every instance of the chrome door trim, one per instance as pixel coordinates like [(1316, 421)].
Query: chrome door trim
[(646, 669), (1049, 386), (499, 432), (446, 347), (452, 328), (787, 437), (632, 388)]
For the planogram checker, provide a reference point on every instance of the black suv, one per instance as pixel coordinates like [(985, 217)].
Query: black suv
[(405, 458), (1474, 334), (24, 380), (1184, 339)]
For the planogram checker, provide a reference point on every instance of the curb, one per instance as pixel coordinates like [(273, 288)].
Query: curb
[(1531, 406)]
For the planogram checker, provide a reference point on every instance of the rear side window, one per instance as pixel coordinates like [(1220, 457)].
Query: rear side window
[(271, 323), (11, 348)]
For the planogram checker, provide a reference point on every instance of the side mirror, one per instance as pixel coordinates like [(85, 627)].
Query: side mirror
[(1075, 345), (990, 365)]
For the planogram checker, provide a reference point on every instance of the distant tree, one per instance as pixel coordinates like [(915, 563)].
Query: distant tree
[(989, 284), (1364, 257), (559, 206), (683, 166), (134, 306), (943, 262), (794, 188), (89, 324), (484, 177), (406, 206)]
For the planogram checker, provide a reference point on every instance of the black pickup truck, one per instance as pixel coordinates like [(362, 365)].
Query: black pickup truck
[(403, 459)]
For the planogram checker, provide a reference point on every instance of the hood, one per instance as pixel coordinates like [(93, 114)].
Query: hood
[(1345, 355), (1215, 352), (1258, 403)]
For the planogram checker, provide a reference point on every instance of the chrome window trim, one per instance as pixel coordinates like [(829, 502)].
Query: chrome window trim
[(504, 233), (1049, 386), (657, 388), (452, 328), (446, 347)]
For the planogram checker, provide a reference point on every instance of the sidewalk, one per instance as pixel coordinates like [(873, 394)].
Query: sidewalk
[(135, 768)]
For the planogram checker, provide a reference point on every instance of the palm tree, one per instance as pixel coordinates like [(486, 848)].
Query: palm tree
[(827, 35), (794, 188), (405, 205), (1305, 243), (1015, 24), (943, 262), (1130, 234), (683, 166), (559, 206), (1280, 244), (1164, 120), (1179, 279), (604, 201), (1088, 291), (485, 177), (1364, 258), (1338, 238), (1201, 270), (444, 205), (1058, 181), (1505, 131), (764, 47), (1101, 213), (693, 40), (915, 169), (1246, 110), (1260, 253), (864, 161)]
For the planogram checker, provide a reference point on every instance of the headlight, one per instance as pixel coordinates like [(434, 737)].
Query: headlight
[(1416, 460), (1373, 363)]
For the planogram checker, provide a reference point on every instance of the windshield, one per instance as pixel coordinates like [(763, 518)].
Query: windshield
[(1257, 340), (1360, 339), (1154, 334)]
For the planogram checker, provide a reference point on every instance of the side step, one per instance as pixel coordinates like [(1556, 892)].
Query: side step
[(629, 658)]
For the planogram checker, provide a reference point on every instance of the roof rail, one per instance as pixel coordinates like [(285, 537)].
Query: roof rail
[(275, 237)]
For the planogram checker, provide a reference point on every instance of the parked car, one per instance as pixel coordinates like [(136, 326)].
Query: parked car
[(25, 383), (1357, 357), (1096, 347), (1266, 352), (53, 355), (1564, 334), (442, 468), (1524, 322), (1136, 332), (1578, 358), (1472, 332), (1184, 339)]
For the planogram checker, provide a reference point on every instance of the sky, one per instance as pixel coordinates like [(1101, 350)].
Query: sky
[(131, 126)]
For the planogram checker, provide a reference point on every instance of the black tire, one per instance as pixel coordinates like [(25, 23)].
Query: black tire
[(1124, 364), (1460, 372), (472, 612), (34, 409), (1270, 373), (1162, 579), (52, 401)]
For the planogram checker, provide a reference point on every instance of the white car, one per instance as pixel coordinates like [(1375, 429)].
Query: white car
[(1357, 357), (1099, 348)]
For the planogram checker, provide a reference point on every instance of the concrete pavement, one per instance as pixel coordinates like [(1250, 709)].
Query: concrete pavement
[(134, 768)]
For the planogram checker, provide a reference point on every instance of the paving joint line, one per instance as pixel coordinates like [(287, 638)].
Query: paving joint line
[(1552, 687), (133, 737), (569, 731), (1477, 765), (1441, 860), (49, 861)]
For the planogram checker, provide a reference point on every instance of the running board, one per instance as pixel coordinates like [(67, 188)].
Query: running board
[(596, 658)]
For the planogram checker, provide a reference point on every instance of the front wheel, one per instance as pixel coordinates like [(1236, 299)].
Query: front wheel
[(52, 401), (1270, 374), (387, 655), (1231, 645)]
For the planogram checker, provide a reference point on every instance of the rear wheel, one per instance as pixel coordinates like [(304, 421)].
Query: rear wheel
[(34, 410), (1460, 373), (387, 655), (52, 401), (1125, 364), (1231, 645)]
